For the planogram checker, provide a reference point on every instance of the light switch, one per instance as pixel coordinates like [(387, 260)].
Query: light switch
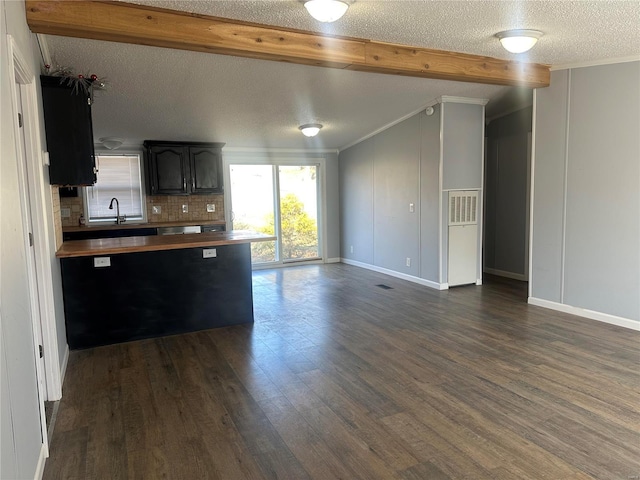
[(211, 207), (185, 208), (412, 208), (209, 253), (99, 262), (156, 209)]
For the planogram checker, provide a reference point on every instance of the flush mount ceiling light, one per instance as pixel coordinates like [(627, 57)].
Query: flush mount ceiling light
[(310, 129), (326, 10), (112, 143), (518, 41)]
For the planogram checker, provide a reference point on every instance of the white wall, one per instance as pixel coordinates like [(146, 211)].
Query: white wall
[(21, 441), (586, 204)]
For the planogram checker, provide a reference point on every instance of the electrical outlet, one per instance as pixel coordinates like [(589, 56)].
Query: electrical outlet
[(412, 208), (209, 253), (156, 209), (99, 262), (185, 208), (351, 248), (65, 212), (211, 207), (408, 262)]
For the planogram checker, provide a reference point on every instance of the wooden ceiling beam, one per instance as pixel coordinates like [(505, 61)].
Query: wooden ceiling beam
[(142, 25)]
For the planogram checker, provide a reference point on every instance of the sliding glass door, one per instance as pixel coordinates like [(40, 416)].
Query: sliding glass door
[(280, 200), (252, 191), (298, 212)]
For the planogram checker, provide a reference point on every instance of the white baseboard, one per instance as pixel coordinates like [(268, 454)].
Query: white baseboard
[(582, 312), (42, 459), (63, 368), (332, 260), (393, 273), (502, 273)]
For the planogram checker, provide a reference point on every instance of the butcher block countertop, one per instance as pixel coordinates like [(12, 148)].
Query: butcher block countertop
[(112, 246), (121, 226)]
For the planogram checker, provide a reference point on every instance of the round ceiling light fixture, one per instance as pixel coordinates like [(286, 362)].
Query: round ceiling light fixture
[(519, 41), (112, 143), (310, 129), (326, 10)]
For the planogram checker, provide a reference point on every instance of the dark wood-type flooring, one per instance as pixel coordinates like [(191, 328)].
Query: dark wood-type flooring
[(339, 378)]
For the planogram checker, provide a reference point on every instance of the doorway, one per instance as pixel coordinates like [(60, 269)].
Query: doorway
[(507, 196)]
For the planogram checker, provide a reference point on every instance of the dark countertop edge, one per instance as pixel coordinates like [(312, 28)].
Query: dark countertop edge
[(115, 246), (124, 226)]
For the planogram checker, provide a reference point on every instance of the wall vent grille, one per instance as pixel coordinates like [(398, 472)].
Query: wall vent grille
[(463, 208)]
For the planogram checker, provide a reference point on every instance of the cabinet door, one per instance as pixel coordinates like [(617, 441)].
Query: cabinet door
[(206, 170), (67, 119), (169, 170)]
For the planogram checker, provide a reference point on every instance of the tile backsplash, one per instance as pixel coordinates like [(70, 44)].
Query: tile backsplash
[(57, 221), (171, 208)]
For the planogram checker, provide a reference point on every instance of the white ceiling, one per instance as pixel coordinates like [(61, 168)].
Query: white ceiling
[(164, 94)]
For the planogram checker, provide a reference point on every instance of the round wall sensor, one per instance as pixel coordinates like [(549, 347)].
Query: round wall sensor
[(429, 111)]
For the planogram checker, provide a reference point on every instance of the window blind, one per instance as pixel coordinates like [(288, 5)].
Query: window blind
[(118, 176)]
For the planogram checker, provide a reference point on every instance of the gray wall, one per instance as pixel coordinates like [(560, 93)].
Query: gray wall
[(379, 178), (395, 185), (356, 202), (21, 440), (587, 190), (382, 175), (506, 190), (462, 141)]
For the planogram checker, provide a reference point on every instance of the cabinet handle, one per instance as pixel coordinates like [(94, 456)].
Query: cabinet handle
[(193, 184), (184, 184)]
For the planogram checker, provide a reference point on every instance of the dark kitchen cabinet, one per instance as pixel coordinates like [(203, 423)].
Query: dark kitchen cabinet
[(167, 169), (179, 168), (67, 120)]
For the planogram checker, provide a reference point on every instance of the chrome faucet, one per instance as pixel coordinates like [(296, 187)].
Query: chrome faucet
[(119, 219)]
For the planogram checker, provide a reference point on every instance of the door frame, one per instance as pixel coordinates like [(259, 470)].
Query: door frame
[(41, 218)]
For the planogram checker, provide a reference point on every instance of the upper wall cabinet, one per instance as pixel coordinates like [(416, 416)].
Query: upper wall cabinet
[(67, 119), (179, 168)]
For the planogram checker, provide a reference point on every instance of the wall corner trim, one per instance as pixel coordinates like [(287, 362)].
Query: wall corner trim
[(583, 312), (393, 273), (42, 460)]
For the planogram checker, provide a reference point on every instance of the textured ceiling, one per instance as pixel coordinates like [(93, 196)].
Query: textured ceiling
[(165, 94)]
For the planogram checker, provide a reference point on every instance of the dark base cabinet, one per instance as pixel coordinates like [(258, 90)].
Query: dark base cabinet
[(151, 294)]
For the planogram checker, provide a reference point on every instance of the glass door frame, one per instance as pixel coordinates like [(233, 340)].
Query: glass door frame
[(276, 162)]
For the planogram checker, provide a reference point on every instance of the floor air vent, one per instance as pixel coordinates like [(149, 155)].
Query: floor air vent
[(384, 287)]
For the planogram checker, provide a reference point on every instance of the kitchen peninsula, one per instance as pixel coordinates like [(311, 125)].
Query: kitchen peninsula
[(130, 288)]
